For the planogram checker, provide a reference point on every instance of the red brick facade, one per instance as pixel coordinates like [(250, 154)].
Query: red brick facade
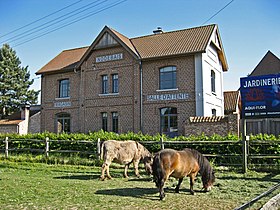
[(139, 98)]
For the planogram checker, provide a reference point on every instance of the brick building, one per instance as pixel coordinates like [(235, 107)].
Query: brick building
[(151, 83)]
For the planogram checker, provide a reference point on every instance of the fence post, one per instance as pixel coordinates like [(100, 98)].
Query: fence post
[(161, 143), (6, 147), (98, 149), (245, 154), (244, 147), (47, 147)]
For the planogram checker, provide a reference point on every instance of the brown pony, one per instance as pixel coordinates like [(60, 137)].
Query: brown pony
[(179, 164)]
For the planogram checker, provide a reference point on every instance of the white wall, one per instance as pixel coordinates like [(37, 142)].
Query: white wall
[(205, 99)]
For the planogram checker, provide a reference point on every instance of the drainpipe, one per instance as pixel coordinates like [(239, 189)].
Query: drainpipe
[(141, 96)]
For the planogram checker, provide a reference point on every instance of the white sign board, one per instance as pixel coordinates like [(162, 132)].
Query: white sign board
[(168, 97), (106, 58), (62, 104)]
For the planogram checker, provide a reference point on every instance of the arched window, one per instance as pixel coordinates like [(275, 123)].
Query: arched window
[(63, 123), (167, 78), (214, 112), (213, 81), (169, 121)]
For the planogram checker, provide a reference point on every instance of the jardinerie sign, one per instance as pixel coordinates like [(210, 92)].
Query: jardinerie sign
[(260, 96), (106, 58), (168, 97)]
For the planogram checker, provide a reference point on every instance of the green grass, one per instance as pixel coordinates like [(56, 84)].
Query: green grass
[(41, 186)]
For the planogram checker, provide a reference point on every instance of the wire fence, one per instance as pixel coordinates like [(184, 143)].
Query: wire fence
[(259, 154)]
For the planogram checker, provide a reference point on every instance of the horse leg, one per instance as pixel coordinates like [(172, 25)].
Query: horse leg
[(125, 171), (136, 163), (161, 190), (102, 177), (107, 169), (178, 185), (192, 179)]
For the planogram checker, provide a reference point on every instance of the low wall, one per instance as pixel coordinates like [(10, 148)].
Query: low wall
[(221, 125), (8, 128)]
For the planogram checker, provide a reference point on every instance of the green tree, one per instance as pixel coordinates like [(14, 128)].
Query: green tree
[(14, 83)]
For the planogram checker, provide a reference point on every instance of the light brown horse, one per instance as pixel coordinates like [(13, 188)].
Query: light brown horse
[(124, 152), (179, 164)]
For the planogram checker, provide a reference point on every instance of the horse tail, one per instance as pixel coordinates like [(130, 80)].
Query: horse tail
[(158, 170), (102, 151), (205, 170)]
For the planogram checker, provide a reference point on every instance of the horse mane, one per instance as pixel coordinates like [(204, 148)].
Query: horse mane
[(158, 171), (205, 170)]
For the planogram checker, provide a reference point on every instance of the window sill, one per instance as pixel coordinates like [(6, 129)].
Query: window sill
[(162, 90), (108, 94), (65, 98)]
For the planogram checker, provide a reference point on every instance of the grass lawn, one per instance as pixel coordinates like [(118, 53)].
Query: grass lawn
[(42, 186)]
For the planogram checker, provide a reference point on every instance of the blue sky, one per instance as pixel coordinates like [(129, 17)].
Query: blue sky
[(248, 28)]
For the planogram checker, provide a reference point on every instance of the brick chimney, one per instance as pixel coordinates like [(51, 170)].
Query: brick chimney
[(24, 112)]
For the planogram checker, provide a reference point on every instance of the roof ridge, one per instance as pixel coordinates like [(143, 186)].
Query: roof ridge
[(77, 48), (168, 32)]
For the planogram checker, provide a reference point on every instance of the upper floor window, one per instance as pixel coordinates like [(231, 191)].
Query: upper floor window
[(104, 84), (167, 78), (64, 88), (213, 81), (115, 83), (104, 121), (63, 123)]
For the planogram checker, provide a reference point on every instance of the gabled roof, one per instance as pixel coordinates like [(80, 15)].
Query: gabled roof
[(181, 42), (122, 40), (270, 64), (66, 60), (174, 43), (231, 101)]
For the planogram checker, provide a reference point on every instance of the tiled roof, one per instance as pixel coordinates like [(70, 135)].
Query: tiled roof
[(181, 42), (10, 122), (207, 119), (67, 59), (231, 100), (173, 43), (125, 40), (270, 64)]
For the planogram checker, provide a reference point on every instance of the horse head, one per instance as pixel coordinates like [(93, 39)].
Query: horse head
[(148, 162), (208, 181)]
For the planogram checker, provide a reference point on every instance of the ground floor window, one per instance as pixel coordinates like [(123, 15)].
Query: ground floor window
[(104, 121), (63, 123), (115, 122), (169, 121)]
